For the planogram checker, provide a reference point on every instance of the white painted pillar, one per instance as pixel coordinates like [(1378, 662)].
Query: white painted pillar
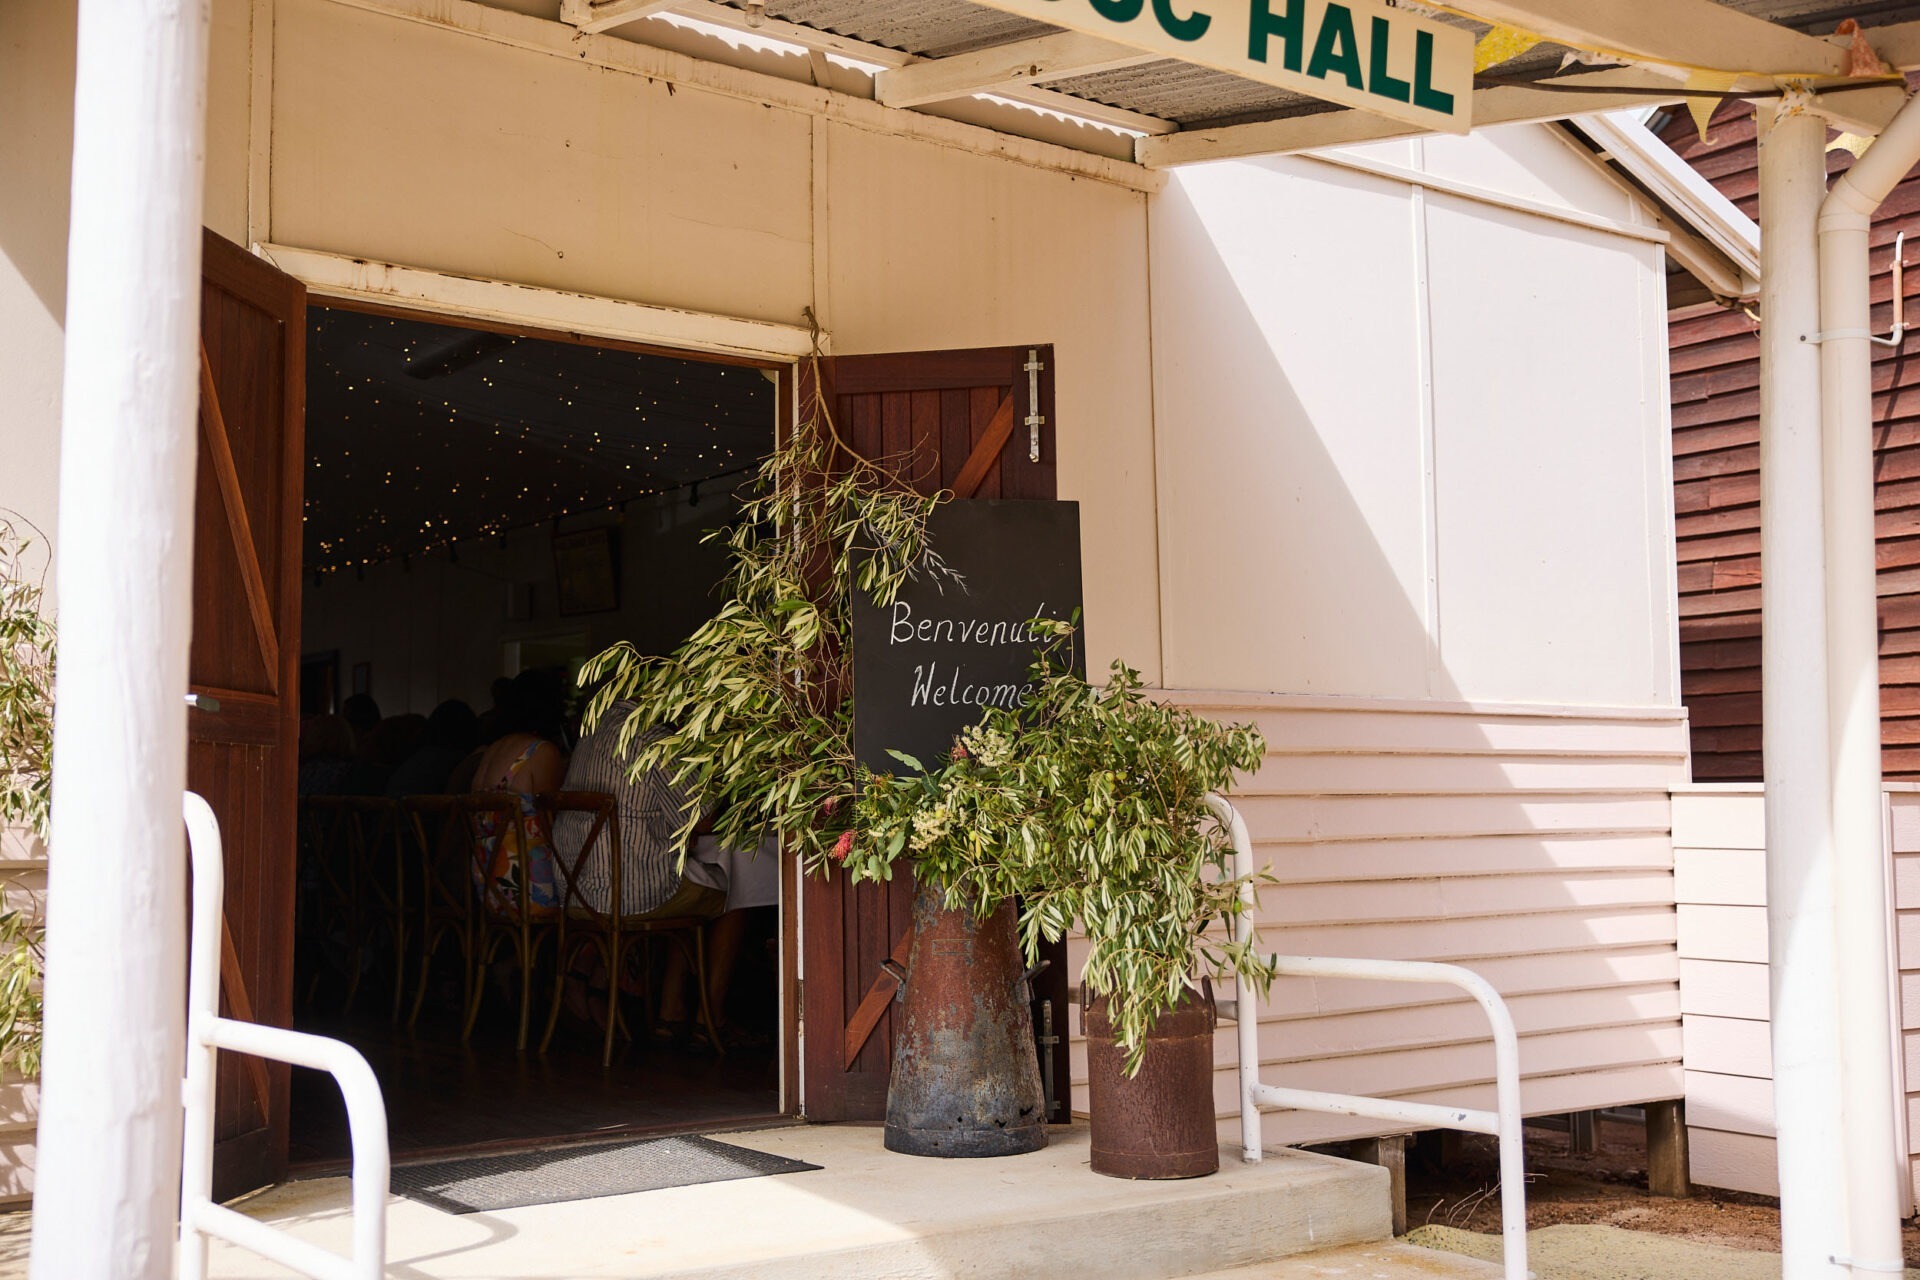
[(1805, 1027), (1875, 1166), (108, 1174)]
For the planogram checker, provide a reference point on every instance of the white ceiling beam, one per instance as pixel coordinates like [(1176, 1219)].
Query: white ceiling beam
[(1506, 104), (599, 15), (1685, 33), (1004, 67)]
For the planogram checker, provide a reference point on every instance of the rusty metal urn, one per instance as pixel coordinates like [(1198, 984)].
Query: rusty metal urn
[(1160, 1123), (965, 1081)]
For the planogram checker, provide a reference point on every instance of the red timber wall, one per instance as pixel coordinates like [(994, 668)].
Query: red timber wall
[(1715, 359)]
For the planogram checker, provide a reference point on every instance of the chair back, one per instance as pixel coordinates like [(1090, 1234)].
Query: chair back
[(439, 840), (602, 814)]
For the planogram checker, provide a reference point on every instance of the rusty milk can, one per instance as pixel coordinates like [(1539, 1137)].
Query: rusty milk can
[(1159, 1124), (965, 1081)]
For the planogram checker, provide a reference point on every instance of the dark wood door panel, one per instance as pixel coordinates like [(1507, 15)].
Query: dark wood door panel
[(245, 656), (956, 420)]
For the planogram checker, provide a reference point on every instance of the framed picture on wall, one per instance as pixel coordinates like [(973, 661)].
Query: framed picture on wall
[(363, 677), (585, 570)]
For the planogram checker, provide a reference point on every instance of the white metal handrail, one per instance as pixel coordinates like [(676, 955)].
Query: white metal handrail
[(1504, 1122), (207, 1034)]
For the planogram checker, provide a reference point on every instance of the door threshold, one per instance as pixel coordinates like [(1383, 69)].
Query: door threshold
[(300, 1170)]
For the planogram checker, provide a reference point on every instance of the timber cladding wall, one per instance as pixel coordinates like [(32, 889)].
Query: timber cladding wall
[(1530, 845), (1715, 361), (1720, 874)]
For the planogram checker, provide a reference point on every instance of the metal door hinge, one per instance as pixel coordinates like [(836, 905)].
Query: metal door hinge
[(1035, 419)]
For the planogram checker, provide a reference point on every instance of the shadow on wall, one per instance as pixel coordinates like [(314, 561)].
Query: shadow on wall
[(36, 148), (1293, 493), (1395, 458)]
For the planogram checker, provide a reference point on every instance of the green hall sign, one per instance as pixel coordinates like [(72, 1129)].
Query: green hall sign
[(1368, 54)]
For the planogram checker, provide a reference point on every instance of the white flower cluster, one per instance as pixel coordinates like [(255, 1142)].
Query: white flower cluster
[(990, 748), (929, 825)]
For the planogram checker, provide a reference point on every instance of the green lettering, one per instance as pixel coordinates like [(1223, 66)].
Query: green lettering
[(1378, 80), (1289, 26), (1191, 27), (1424, 94), (1118, 10), (1336, 29)]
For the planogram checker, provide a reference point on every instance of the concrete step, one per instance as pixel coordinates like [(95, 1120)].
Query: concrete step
[(870, 1213), (1390, 1261)]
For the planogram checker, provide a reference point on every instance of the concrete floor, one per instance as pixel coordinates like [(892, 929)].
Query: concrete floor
[(869, 1213)]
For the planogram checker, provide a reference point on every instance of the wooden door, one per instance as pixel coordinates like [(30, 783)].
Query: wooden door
[(246, 657), (955, 420)]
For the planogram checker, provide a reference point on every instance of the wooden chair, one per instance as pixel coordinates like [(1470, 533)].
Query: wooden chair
[(441, 842), (336, 846), (503, 918), (362, 873), (607, 933)]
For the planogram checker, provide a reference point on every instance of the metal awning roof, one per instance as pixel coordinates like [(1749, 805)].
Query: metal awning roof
[(1178, 94)]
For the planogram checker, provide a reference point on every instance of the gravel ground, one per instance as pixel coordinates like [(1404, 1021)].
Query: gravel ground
[(1607, 1188), (1574, 1252)]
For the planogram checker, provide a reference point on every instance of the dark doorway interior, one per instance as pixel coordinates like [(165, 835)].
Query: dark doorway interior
[(483, 512)]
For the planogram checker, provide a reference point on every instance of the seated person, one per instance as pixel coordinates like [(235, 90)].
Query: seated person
[(452, 730), (326, 755), (525, 761), (651, 810), (715, 883)]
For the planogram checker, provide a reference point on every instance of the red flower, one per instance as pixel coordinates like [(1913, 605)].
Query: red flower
[(843, 846), (959, 751), (828, 805)]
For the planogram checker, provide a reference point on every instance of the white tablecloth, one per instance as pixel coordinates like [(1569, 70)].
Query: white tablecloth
[(749, 878)]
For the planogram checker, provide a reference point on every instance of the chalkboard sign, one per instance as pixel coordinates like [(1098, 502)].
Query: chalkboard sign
[(946, 650)]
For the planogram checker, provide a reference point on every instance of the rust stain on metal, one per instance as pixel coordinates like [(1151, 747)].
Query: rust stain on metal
[(965, 1079), (1160, 1123)]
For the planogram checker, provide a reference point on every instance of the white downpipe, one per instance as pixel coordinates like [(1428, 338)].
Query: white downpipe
[(1800, 937), (109, 1125), (1863, 978)]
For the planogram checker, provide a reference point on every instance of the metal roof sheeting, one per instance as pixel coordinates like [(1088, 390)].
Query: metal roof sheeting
[(1192, 96)]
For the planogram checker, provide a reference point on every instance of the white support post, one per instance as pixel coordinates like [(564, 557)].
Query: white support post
[(108, 1174), (1805, 1026)]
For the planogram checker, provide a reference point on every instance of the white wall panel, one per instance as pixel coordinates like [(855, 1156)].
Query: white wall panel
[(1553, 517), (1288, 397)]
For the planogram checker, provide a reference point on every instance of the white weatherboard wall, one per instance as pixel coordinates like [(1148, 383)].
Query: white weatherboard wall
[(1720, 869)]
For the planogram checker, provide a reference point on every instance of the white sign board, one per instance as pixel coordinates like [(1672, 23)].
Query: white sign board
[(1369, 54)]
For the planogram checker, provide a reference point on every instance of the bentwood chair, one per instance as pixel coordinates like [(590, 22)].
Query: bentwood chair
[(339, 918), (362, 876), (441, 842), (506, 916), (615, 939)]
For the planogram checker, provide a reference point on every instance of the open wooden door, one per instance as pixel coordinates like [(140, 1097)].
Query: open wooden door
[(959, 420), (246, 656)]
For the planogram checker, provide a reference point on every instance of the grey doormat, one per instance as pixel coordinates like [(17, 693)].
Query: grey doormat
[(481, 1184)]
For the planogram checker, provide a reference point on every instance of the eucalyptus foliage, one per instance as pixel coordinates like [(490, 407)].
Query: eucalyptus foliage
[(26, 688), (26, 776), (754, 711), (1088, 804)]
